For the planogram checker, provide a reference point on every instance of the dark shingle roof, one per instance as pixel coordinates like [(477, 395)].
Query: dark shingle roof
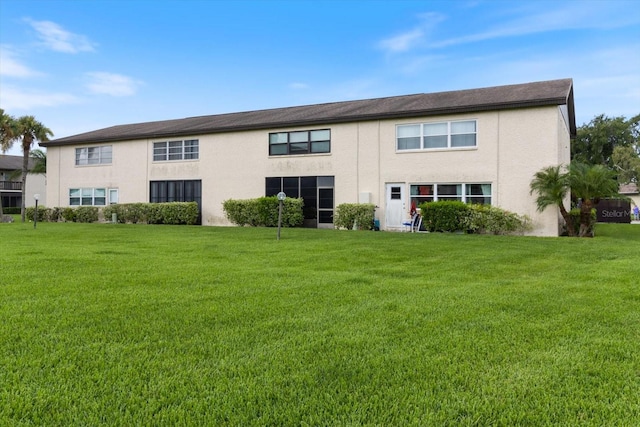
[(552, 92), (12, 163)]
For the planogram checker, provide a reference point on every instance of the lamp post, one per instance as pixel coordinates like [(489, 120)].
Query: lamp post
[(281, 197), (36, 197)]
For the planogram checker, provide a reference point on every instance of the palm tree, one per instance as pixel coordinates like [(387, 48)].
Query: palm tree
[(39, 158), (590, 183), (29, 130), (552, 186), (6, 139), (6, 131)]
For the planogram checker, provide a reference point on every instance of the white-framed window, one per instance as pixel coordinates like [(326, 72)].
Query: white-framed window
[(440, 135), (187, 149), (477, 193), (113, 196), (94, 155), (87, 197)]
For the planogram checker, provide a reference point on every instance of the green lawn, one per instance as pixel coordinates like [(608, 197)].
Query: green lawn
[(105, 324)]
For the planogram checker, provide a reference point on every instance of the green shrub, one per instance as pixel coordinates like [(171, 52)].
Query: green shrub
[(359, 214), (54, 214), (154, 213), (267, 211), (263, 212), (119, 209), (108, 212), (238, 211), (11, 211), (135, 213), (86, 214), (175, 213), (42, 213), (486, 219), (482, 219), (445, 216), (69, 214)]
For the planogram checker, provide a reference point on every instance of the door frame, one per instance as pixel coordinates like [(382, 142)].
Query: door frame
[(395, 209)]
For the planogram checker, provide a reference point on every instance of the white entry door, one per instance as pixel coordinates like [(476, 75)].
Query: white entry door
[(395, 208)]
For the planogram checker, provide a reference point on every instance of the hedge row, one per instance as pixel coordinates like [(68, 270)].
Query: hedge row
[(150, 213), (354, 215), (452, 216), (173, 213), (79, 214), (263, 212)]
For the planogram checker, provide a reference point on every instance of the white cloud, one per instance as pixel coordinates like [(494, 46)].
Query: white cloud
[(12, 98), (58, 39), (10, 66), (298, 86), (412, 37), (103, 83), (526, 18), (573, 15), (402, 42)]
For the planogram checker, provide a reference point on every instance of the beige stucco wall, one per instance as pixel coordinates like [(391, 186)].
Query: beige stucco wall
[(511, 147), (36, 184)]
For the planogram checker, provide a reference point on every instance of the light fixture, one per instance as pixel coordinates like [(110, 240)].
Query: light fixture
[(36, 197), (281, 196)]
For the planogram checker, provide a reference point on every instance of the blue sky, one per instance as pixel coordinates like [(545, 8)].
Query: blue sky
[(81, 65)]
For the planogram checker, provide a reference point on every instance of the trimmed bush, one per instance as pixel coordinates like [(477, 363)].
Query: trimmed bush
[(486, 219), (54, 214), (445, 216), (263, 212), (451, 216), (86, 214), (69, 214), (174, 213), (42, 213), (239, 212), (360, 214), (151, 213), (11, 211)]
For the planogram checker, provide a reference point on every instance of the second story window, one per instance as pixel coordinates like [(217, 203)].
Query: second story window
[(430, 136), (176, 150), (93, 155), (300, 142)]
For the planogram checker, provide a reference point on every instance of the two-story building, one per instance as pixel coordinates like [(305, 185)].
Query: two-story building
[(477, 146)]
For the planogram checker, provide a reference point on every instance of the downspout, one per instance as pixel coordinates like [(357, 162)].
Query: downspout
[(496, 192), (357, 198)]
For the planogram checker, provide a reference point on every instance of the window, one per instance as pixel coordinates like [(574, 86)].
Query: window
[(396, 193), (300, 142), (175, 150), (113, 196), (429, 136), (87, 196), (422, 194), (177, 191), (316, 191), (468, 193), (449, 192), (93, 155)]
